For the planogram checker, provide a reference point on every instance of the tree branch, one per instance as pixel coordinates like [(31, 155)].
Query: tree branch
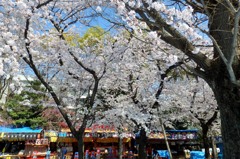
[(172, 36), (211, 120), (44, 3), (231, 7), (196, 7), (224, 59), (30, 62), (196, 71), (164, 75)]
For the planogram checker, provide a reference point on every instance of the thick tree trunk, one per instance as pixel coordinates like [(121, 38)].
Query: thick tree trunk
[(80, 148), (228, 99), (226, 93), (120, 147), (142, 144)]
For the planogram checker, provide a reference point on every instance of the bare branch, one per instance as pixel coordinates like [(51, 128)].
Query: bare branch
[(231, 7)]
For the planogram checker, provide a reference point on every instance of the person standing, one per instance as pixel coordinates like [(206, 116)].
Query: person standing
[(63, 152), (48, 154), (93, 155)]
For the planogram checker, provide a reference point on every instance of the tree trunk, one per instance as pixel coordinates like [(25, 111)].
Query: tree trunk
[(205, 141), (80, 148), (142, 144), (214, 148), (227, 94), (228, 99), (120, 147)]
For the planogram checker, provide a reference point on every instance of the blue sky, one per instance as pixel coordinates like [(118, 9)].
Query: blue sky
[(110, 13)]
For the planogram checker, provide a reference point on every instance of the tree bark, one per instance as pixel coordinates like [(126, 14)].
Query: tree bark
[(142, 144), (79, 135), (120, 147), (226, 93), (228, 99), (80, 148), (205, 141)]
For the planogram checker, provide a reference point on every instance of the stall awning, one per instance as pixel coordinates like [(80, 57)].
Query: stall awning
[(20, 130), (19, 134)]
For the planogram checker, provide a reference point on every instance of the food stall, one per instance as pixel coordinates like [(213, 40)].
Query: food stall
[(178, 140), (98, 139), (52, 137), (22, 143)]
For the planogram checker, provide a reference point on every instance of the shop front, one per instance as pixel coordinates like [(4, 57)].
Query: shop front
[(52, 137), (22, 143), (178, 141), (99, 140)]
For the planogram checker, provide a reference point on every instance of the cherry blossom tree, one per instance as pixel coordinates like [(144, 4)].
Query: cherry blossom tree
[(116, 117), (37, 32), (191, 101), (137, 81), (208, 118), (191, 26)]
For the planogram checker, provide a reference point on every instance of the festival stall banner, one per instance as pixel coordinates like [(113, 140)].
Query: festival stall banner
[(52, 135), (19, 136), (174, 135)]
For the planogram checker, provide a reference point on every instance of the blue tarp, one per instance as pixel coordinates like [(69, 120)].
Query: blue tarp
[(163, 153), (220, 156), (197, 155), (19, 130)]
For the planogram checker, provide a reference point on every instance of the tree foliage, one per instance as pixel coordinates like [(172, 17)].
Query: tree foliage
[(25, 108), (205, 33), (91, 37)]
